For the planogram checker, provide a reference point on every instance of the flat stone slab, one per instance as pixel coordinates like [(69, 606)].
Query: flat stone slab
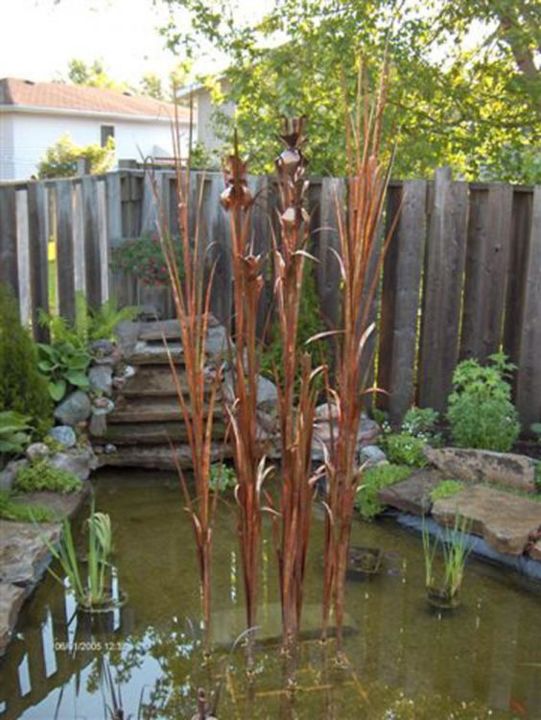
[(154, 352), (413, 494), (168, 328), (143, 410), (228, 625), (62, 505), (154, 381), (155, 433), (11, 599), (535, 551), (504, 520), (158, 457), (475, 466), (24, 554)]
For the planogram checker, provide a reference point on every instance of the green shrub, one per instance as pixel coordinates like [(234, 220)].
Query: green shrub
[(446, 489), (405, 449), (481, 414), (373, 480), (23, 512), (420, 422), (22, 388), (222, 477), (60, 159), (144, 258), (65, 367), (41, 475)]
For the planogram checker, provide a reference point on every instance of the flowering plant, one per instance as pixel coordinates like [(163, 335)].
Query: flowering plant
[(144, 258)]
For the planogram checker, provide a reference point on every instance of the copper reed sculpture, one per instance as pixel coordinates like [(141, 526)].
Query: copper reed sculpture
[(241, 404), (197, 402), (291, 525), (359, 251)]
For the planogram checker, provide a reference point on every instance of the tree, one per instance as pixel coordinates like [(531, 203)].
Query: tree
[(471, 106), (60, 159), (93, 75)]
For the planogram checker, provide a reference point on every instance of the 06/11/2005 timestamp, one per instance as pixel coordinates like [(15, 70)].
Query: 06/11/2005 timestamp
[(89, 645)]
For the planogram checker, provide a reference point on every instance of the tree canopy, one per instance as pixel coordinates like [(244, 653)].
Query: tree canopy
[(465, 78)]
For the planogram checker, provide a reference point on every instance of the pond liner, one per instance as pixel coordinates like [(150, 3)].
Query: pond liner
[(522, 564)]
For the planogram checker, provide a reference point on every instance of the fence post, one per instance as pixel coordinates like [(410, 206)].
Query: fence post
[(38, 259), (9, 273), (64, 249)]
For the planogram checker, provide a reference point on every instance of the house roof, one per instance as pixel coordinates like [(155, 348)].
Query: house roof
[(61, 97)]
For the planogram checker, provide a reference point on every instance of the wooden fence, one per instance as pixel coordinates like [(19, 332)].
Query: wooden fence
[(462, 277)]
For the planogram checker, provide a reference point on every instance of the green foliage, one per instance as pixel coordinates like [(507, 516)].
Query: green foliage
[(90, 588), (310, 324), (405, 449), (222, 477), (14, 432), (93, 75), (420, 421), (373, 480), (23, 512), (65, 367), (456, 548), (103, 321), (537, 476), (446, 489), (41, 475), (143, 257), (475, 106), (60, 160), (22, 388), (481, 413), (203, 159)]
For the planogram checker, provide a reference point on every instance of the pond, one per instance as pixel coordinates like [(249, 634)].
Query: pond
[(406, 662)]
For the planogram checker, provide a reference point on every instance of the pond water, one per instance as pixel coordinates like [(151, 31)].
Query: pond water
[(405, 661)]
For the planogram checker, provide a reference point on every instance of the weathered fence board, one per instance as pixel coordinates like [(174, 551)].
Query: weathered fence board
[(444, 269), (487, 260), (529, 375), (64, 249), (8, 239), (38, 237), (91, 242)]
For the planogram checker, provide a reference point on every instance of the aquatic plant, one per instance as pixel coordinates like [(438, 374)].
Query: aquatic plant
[(295, 382), (456, 547), (191, 294), (374, 479), (359, 257), (222, 477), (91, 588), (241, 404)]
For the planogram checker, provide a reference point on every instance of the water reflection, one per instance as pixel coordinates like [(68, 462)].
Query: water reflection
[(404, 660)]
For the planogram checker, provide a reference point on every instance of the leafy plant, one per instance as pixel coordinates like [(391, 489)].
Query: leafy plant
[(60, 159), (90, 588), (420, 422), (446, 489), (481, 413), (456, 548), (144, 258), (374, 479), (405, 449), (103, 321), (22, 388), (14, 432), (23, 512), (65, 366), (41, 475), (222, 477)]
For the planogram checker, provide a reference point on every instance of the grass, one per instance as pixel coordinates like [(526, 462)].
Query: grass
[(456, 548), (10, 509), (446, 489), (373, 480)]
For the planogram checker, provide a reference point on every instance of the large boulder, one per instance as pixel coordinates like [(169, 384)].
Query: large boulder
[(325, 427), (79, 462), (413, 494), (474, 466), (75, 408), (9, 473), (505, 521), (11, 599), (24, 554), (65, 435), (101, 379)]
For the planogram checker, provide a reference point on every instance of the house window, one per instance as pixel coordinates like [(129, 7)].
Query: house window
[(107, 131)]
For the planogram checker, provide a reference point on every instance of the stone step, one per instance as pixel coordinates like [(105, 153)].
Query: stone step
[(142, 410), (154, 381), (170, 329), (148, 352), (158, 457), (154, 433)]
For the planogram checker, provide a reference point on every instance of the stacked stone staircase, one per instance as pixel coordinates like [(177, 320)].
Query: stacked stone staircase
[(147, 421)]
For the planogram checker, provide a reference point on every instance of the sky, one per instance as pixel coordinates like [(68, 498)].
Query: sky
[(39, 37)]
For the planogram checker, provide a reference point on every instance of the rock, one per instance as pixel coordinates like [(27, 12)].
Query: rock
[(119, 382), (110, 449), (11, 599), (98, 424), (267, 392), (36, 451), (65, 435), (372, 455), (413, 494), (535, 551), (504, 520), (9, 473), (79, 462), (127, 333), (101, 348), (128, 371), (102, 406), (324, 425), (515, 471), (157, 457), (75, 408), (24, 553), (101, 378)]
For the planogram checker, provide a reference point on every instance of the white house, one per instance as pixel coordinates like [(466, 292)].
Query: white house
[(33, 116), (205, 110)]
